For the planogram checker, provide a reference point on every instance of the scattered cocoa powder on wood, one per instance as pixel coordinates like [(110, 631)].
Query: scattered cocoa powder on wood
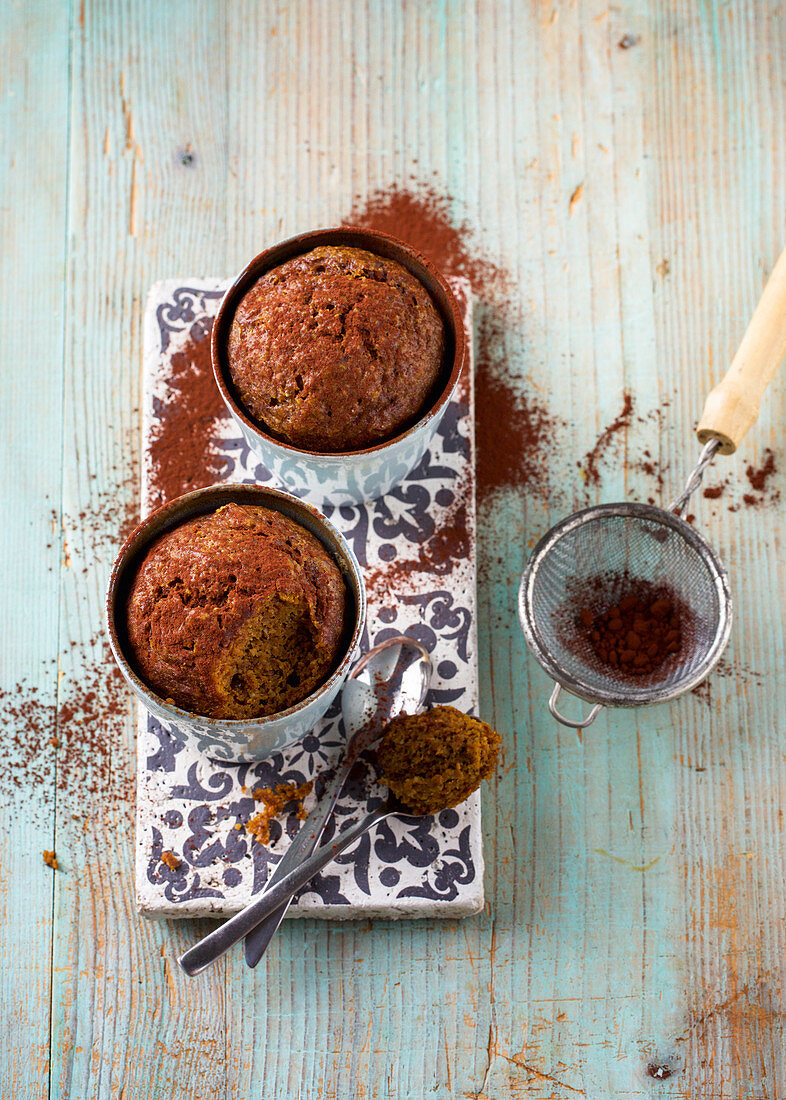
[(651, 468), (758, 478), (595, 456), (516, 434), (423, 218), (72, 741)]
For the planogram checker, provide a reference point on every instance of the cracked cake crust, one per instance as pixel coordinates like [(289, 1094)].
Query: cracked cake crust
[(236, 614), (336, 350)]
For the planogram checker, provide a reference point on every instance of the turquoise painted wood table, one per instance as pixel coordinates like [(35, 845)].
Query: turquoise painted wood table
[(614, 179)]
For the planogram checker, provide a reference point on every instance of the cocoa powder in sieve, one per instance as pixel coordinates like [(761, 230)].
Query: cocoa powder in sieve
[(625, 625), (638, 633)]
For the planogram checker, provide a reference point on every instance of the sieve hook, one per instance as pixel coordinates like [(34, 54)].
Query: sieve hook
[(593, 714)]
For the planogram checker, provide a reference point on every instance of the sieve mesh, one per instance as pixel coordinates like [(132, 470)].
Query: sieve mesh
[(608, 548)]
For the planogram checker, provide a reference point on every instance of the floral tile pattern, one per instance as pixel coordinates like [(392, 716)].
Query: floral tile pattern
[(417, 549)]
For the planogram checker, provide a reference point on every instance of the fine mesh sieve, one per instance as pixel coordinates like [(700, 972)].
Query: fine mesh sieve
[(609, 549), (612, 547)]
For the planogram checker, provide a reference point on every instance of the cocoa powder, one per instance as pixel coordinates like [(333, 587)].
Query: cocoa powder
[(449, 543), (181, 450), (712, 492), (423, 218), (516, 434), (636, 635), (74, 740), (65, 731), (627, 626), (514, 430), (759, 479), (594, 457)]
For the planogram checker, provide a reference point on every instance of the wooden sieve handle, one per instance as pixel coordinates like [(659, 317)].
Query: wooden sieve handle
[(732, 408)]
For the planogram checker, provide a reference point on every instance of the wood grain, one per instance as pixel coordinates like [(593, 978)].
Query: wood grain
[(125, 1022), (625, 165), (34, 88)]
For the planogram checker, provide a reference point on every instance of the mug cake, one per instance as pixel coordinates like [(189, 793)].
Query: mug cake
[(238, 613), (336, 350), (337, 353)]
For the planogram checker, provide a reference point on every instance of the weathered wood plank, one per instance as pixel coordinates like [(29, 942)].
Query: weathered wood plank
[(635, 196), (147, 89), (34, 39), (718, 219)]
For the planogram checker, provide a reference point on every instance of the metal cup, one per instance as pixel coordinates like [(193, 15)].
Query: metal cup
[(242, 739), (347, 477)]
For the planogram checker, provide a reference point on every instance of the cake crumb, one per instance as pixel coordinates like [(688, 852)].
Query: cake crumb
[(275, 800), (50, 859), (171, 860), (435, 760)]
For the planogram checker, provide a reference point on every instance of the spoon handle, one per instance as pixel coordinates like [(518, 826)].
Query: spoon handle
[(217, 943), (301, 847)]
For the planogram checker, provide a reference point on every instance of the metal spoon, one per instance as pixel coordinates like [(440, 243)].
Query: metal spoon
[(213, 946), (390, 679)]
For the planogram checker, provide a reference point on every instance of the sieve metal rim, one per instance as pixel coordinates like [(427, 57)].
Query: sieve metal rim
[(635, 697)]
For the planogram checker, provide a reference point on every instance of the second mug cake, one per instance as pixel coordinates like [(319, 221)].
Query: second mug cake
[(337, 353), (336, 350), (234, 614)]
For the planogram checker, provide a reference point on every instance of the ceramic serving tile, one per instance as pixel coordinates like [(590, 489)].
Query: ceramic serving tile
[(417, 549)]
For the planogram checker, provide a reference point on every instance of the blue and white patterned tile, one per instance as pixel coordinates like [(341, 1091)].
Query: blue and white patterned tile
[(417, 548)]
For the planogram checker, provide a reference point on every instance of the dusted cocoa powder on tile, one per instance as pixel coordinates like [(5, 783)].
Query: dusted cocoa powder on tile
[(181, 450)]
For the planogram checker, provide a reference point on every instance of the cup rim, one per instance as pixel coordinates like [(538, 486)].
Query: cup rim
[(382, 244), (200, 502)]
